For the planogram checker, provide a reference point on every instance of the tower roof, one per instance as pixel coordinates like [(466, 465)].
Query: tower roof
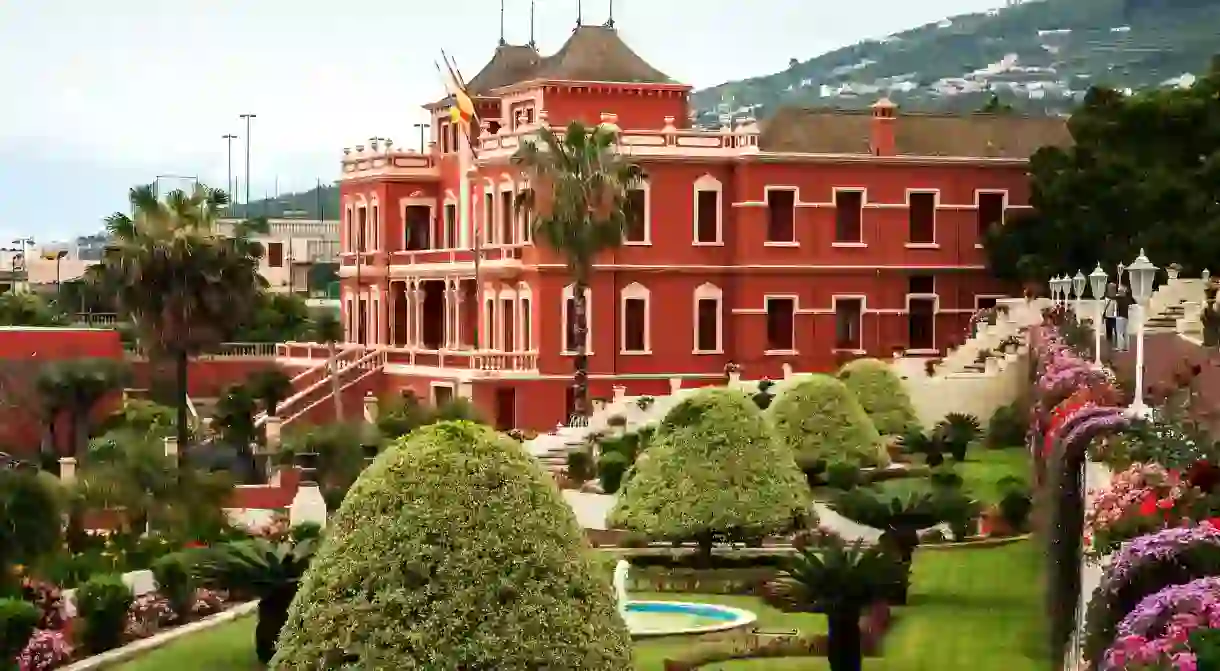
[(597, 54), (510, 64)]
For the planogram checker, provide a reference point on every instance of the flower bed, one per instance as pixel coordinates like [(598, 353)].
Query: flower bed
[(1156, 518)]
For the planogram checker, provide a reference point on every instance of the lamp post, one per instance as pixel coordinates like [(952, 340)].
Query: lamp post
[(1078, 285), (248, 118), (422, 127), (1141, 273), (1097, 282), (229, 138), (1053, 283)]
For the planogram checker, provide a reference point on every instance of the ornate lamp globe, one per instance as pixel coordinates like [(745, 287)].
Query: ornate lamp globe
[(1142, 273), (1078, 284), (1097, 282)]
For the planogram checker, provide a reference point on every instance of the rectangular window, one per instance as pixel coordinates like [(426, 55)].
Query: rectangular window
[(450, 226), (637, 223), (707, 217), (527, 336), (921, 324), (569, 333), (635, 325), (362, 218), (921, 284), (849, 216), (848, 315), (991, 212), (489, 217), (275, 254), (444, 133), (922, 218), (708, 316), (781, 314), (417, 224), (508, 339), (507, 236), (781, 216)]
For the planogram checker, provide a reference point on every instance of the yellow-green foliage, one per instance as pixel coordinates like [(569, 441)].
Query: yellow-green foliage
[(712, 466), (819, 419), (454, 551), (881, 393)]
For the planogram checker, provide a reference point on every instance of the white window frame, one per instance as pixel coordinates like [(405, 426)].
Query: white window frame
[(834, 310), (350, 227), (707, 183), (935, 298), (796, 200), (446, 243), (710, 292), (796, 309), (834, 205), (645, 186), (568, 293), (416, 201), (525, 306), (489, 213), (935, 243), (978, 206), (502, 319), (506, 186), (635, 292), (375, 223)]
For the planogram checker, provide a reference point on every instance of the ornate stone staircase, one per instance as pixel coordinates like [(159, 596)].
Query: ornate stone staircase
[(314, 386)]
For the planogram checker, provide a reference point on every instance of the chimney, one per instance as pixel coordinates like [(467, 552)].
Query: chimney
[(883, 134)]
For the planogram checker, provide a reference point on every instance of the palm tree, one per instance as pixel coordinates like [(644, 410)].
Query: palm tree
[(841, 580), (578, 203), (328, 330), (75, 386), (261, 569), (184, 286)]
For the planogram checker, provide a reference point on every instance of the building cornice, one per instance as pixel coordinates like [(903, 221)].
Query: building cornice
[(566, 84)]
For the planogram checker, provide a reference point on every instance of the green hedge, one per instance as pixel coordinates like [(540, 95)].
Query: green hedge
[(820, 420), (712, 467), (880, 392), (454, 550)]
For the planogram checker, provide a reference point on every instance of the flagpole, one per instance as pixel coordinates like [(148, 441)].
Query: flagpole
[(471, 223)]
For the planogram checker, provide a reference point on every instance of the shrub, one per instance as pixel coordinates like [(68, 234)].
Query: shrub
[(610, 470), (580, 466), (818, 418), (175, 582), (1016, 504), (946, 476), (616, 421), (48, 599), (1008, 426), (101, 607), (882, 395), (17, 622), (454, 550), (30, 521), (844, 475), (712, 468)]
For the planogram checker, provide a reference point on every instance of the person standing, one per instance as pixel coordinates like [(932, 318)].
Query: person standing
[(1122, 311), (1109, 312)]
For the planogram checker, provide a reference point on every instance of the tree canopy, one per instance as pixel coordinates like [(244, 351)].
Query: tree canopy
[(1143, 173)]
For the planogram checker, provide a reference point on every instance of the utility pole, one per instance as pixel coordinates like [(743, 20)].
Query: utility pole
[(229, 138), (247, 117)]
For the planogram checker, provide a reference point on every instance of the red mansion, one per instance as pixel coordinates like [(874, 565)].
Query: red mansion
[(803, 239)]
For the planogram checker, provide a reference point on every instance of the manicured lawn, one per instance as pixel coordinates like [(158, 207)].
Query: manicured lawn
[(971, 610), (984, 467)]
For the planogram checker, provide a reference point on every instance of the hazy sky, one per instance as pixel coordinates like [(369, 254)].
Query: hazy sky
[(101, 95)]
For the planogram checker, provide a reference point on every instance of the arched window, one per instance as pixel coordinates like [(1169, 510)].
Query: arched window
[(708, 212), (635, 323)]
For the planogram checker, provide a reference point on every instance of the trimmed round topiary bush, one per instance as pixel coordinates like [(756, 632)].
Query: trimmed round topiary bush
[(454, 550), (820, 420), (713, 469), (880, 392)]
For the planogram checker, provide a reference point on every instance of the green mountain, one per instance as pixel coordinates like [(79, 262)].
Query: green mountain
[(303, 205), (1036, 55)]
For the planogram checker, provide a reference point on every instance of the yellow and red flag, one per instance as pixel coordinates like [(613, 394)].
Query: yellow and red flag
[(462, 111)]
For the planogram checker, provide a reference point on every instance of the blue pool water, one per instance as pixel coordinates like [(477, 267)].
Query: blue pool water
[(668, 618)]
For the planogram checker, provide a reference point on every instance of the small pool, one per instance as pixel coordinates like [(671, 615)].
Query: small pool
[(678, 618)]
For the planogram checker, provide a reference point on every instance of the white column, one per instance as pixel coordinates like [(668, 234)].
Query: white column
[(417, 314)]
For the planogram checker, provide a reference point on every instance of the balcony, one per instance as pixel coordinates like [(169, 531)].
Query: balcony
[(456, 362), (493, 259), (382, 161)]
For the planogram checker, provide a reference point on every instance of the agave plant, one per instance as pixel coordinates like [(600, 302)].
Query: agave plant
[(258, 568), (916, 441), (841, 580), (900, 515)]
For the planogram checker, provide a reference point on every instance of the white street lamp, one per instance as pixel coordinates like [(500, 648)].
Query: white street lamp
[(1097, 282), (1142, 273), (1056, 288), (1078, 285), (1207, 275)]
